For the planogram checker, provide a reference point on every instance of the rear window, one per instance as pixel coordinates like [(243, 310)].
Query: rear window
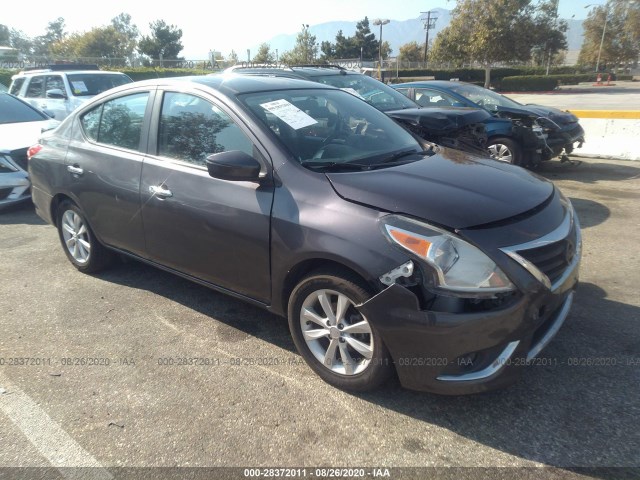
[(89, 84), (16, 86), (13, 110)]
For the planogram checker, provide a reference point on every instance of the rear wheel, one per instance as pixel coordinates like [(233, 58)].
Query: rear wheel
[(505, 150), (79, 243), (333, 337)]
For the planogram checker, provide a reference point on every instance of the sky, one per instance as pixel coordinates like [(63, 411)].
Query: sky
[(227, 25)]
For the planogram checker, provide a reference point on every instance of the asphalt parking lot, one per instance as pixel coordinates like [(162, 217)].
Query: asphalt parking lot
[(104, 383)]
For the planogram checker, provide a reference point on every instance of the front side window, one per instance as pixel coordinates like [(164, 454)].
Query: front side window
[(54, 83), (192, 128), (117, 122)]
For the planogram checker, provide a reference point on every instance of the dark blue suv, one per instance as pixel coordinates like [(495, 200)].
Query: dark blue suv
[(561, 129)]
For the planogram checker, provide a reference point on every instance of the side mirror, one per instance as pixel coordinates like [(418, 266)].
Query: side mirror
[(234, 165), (55, 93)]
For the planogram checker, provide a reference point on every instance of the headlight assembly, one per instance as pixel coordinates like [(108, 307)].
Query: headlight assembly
[(458, 266)]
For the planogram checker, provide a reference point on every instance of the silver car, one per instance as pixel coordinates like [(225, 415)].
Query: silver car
[(20, 127)]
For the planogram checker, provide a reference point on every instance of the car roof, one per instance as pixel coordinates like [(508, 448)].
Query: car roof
[(299, 71), (432, 83), (48, 70), (231, 84)]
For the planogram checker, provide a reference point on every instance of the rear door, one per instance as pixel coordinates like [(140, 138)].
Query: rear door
[(104, 163), (216, 230)]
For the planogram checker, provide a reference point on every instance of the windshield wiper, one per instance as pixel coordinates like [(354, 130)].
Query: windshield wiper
[(336, 166), (405, 153)]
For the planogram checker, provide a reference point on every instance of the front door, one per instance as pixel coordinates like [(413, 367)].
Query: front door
[(213, 229)]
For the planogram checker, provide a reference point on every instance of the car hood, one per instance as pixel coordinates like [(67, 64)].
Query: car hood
[(450, 188), (24, 134), (558, 116), (440, 120)]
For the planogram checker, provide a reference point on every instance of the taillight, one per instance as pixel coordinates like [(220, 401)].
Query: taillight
[(33, 150)]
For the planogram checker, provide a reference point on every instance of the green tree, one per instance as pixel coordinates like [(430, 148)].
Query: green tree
[(128, 32), (343, 47), (100, 42), (386, 50), (21, 41), (5, 36), (549, 35), (621, 43), (232, 58), (328, 50), (487, 32), (55, 32), (364, 39), (411, 52), (305, 50), (264, 54), (164, 39)]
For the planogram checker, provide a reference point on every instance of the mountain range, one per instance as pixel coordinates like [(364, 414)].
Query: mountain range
[(398, 32)]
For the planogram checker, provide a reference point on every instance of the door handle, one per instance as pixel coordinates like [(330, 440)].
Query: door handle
[(160, 191), (75, 170)]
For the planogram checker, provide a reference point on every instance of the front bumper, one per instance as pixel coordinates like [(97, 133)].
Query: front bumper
[(564, 139), (432, 351), (14, 188)]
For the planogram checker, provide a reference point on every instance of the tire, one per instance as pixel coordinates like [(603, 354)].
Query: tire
[(505, 150), (347, 352), (79, 242)]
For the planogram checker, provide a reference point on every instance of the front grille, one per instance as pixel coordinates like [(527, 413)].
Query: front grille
[(20, 157), (554, 258)]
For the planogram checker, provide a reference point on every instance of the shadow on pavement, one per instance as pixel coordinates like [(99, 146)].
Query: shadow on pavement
[(577, 408), (590, 213), (20, 213), (587, 172)]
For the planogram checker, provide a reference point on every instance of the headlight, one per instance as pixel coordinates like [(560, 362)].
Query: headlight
[(6, 165), (458, 265)]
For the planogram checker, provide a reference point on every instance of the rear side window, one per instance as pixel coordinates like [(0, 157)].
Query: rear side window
[(117, 122), (192, 128), (54, 83), (16, 86)]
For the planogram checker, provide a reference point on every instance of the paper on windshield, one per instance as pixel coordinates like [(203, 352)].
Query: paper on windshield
[(79, 87), (289, 114), (352, 92)]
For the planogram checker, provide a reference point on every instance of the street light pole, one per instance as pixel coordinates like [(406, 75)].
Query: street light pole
[(604, 30), (381, 22)]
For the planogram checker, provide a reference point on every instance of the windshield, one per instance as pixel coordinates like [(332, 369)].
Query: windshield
[(13, 110), (483, 96), (376, 93), (90, 84), (333, 130)]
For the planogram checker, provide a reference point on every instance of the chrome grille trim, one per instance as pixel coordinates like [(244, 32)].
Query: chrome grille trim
[(564, 229)]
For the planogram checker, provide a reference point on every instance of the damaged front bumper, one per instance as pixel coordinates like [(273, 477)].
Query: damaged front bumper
[(463, 353)]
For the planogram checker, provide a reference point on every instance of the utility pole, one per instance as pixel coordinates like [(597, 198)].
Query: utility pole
[(429, 23)]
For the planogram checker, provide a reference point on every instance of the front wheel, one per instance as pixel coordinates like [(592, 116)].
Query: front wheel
[(79, 242), (505, 150), (333, 337)]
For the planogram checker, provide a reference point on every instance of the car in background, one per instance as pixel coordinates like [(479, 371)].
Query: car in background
[(60, 89), (385, 252), (459, 128), (20, 127), (561, 129)]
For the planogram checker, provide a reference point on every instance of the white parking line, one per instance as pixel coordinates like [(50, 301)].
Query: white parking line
[(47, 436)]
